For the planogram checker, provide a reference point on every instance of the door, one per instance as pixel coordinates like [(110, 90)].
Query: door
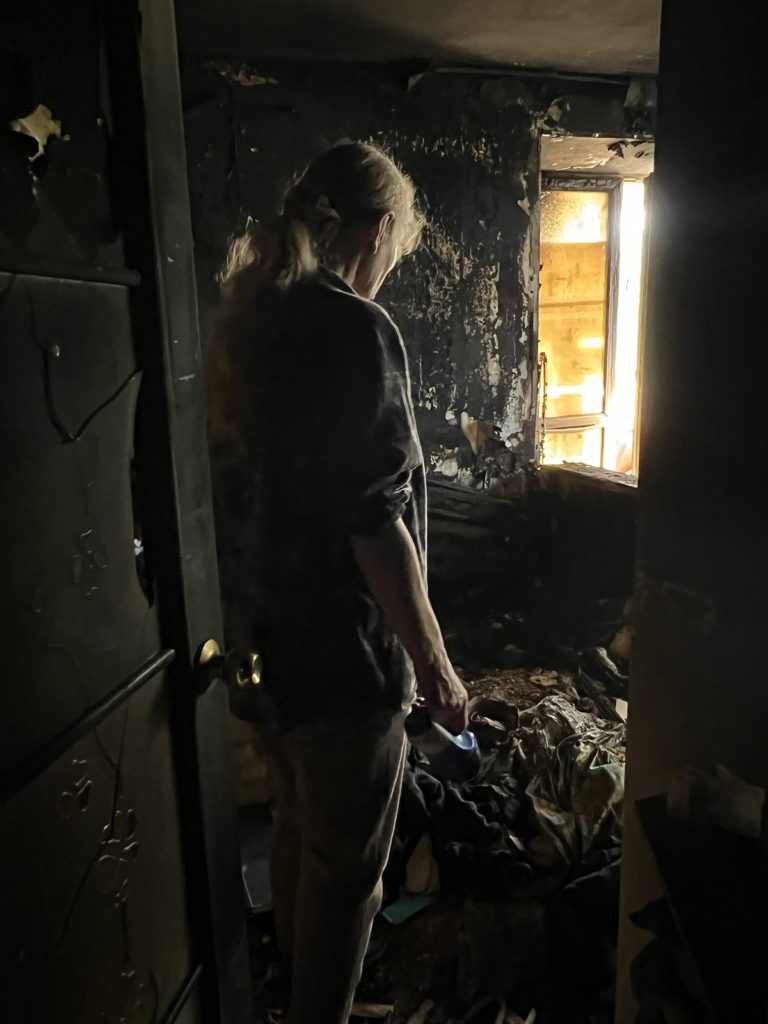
[(120, 889)]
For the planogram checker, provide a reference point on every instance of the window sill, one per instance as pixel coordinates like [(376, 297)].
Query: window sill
[(580, 469)]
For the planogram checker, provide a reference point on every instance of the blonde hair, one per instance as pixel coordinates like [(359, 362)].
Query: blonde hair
[(350, 185)]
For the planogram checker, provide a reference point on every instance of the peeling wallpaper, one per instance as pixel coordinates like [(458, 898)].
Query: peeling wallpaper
[(465, 302)]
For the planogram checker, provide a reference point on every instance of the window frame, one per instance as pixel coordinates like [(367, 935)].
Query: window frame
[(568, 181)]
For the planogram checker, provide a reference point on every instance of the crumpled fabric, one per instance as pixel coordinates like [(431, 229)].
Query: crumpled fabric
[(546, 803), (471, 826), (575, 766)]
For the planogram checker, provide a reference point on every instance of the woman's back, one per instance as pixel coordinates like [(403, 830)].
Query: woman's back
[(330, 449)]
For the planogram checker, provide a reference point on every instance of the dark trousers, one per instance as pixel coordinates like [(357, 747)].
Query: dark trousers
[(337, 794)]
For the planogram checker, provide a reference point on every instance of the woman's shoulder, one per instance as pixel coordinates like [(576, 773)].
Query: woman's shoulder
[(353, 316), (355, 305)]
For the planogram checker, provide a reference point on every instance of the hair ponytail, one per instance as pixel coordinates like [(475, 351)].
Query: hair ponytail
[(350, 185), (288, 248)]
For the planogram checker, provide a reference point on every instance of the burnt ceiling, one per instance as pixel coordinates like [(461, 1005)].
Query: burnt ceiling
[(588, 36)]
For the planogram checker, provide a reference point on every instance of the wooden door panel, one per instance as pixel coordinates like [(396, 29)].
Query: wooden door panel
[(121, 895), (94, 926), (72, 603)]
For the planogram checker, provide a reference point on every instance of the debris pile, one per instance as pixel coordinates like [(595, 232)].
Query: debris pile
[(502, 891)]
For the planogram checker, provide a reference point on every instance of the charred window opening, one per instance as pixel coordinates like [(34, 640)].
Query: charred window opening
[(592, 238)]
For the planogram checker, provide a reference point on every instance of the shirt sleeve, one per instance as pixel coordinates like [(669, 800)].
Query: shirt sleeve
[(375, 439)]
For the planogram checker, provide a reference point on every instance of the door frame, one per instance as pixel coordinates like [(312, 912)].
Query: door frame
[(148, 188), (168, 338)]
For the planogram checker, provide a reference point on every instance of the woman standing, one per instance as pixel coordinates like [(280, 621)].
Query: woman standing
[(310, 386)]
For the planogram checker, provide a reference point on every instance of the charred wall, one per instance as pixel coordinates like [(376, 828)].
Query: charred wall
[(465, 301)]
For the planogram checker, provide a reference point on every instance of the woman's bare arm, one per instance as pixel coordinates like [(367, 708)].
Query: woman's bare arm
[(390, 564)]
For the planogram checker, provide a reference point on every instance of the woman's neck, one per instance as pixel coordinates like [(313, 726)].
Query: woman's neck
[(346, 267)]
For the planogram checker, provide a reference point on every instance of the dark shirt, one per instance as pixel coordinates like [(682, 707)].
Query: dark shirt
[(332, 451)]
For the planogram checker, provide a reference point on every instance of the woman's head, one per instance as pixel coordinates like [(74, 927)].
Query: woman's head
[(352, 209)]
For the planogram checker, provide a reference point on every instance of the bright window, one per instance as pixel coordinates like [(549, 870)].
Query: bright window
[(589, 318)]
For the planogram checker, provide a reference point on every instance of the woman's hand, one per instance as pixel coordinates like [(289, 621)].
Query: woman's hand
[(445, 695)]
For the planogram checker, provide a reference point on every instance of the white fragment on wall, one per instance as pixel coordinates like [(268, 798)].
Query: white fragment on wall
[(514, 409), (476, 432), (482, 149), (493, 365), (549, 121), (446, 463), (39, 125)]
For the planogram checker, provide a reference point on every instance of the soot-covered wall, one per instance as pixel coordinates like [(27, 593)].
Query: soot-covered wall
[(466, 301)]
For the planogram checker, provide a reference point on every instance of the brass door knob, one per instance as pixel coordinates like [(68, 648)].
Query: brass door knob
[(243, 668), (239, 670), (209, 665)]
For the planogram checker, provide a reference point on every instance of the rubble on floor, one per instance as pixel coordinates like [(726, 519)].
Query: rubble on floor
[(501, 899), (517, 869)]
